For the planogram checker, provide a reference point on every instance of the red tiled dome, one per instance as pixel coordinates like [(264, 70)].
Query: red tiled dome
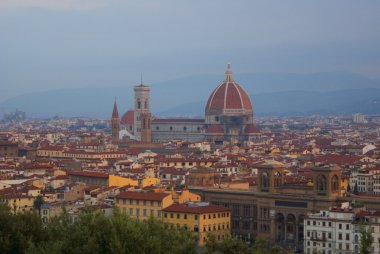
[(128, 118), (229, 96)]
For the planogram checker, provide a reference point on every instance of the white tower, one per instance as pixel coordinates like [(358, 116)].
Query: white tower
[(142, 104)]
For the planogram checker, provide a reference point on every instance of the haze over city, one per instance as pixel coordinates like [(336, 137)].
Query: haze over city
[(48, 45)]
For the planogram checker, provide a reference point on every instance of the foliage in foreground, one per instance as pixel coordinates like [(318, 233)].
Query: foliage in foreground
[(92, 233), (96, 233), (231, 245)]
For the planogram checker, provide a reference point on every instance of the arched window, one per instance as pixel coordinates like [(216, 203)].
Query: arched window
[(277, 179), (265, 181), (321, 184), (334, 183), (138, 104)]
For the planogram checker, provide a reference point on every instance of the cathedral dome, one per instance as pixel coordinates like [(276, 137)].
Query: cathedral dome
[(229, 98), (128, 118)]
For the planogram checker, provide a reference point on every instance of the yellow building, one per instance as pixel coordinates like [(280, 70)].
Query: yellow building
[(142, 205), (185, 196), (119, 181), (200, 218), (18, 202)]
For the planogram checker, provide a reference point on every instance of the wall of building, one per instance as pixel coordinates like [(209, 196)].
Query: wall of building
[(167, 131)]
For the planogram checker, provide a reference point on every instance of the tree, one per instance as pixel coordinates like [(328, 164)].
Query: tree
[(37, 204), (18, 230), (226, 246), (349, 188), (259, 246), (356, 191), (366, 239)]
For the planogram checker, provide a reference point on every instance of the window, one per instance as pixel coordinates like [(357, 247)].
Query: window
[(340, 236), (137, 202), (185, 216), (151, 203), (178, 216), (158, 203), (124, 201), (159, 214), (144, 212), (246, 211), (195, 217), (171, 215), (130, 211), (144, 203), (165, 215), (246, 225), (347, 226), (340, 226)]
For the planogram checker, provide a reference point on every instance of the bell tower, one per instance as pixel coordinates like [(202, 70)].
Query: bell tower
[(145, 128), (115, 124), (141, 110)]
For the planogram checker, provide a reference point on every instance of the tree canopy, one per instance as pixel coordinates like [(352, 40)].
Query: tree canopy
[(93, 232)]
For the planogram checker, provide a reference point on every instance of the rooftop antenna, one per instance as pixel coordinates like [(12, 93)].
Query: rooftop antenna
[(141, 79)]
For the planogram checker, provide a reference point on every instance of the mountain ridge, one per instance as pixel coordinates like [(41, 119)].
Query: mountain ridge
[(181, 96)]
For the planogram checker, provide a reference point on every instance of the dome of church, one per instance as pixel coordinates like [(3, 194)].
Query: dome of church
[(127, 118), (229, 98)]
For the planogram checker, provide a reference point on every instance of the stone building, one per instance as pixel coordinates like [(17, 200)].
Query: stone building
[(273, 209)]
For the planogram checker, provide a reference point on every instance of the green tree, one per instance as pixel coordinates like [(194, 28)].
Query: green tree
[(349, 188), (366, 239), (17, 231), (226, 246), (356, 190), (37, 204), (260, 246)]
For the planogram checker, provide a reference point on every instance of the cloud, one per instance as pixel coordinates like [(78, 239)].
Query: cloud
[(53, 4)]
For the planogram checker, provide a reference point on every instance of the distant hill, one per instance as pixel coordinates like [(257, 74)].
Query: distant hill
[(271, 93)]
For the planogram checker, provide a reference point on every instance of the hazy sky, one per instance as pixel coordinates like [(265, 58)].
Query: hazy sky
[(48, 44)]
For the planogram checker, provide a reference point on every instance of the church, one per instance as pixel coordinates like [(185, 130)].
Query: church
[(228, 118)]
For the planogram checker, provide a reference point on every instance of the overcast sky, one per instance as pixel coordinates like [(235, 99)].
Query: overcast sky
[(48, 44)]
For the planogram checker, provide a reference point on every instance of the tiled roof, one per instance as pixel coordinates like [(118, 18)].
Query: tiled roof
[(88, 174), (188, 208), (150, 196)]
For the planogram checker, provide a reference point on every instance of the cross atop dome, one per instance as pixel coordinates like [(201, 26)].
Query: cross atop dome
[(229, 74)]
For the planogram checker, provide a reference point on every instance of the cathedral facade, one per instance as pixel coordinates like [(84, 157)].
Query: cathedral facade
[(228, 118)]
